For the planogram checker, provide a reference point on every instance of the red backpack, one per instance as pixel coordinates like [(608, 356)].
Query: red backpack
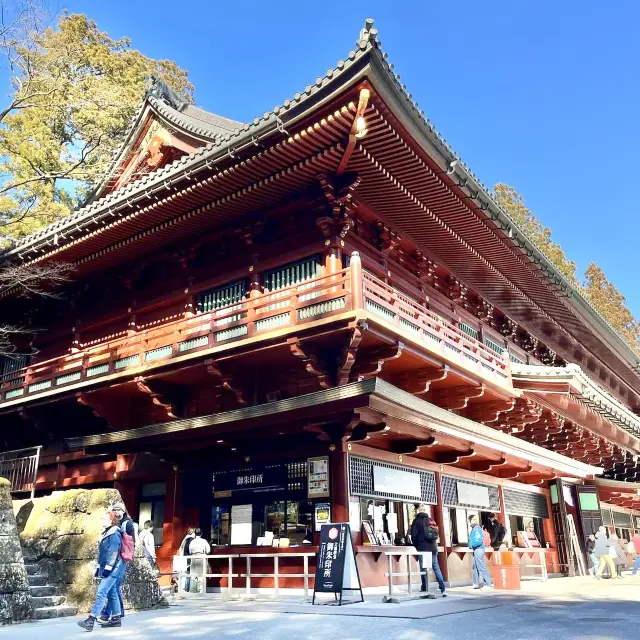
[(127, 544)]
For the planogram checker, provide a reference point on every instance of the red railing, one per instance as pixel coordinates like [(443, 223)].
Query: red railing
[(346, 290)]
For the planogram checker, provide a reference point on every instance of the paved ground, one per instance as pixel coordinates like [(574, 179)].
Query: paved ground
[(564, 609)]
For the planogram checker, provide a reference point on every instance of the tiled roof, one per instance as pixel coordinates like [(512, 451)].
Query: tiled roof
[(368, 49), (589, 391)]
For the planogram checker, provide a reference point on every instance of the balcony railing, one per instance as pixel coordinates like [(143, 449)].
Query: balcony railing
[(20, 467), (271, 312)]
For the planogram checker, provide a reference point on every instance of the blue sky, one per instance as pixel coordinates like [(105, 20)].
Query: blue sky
[(542, 96)]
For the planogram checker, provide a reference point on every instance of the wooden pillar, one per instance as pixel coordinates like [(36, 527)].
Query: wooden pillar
[(440, 521), (357, 300), (339, 468)]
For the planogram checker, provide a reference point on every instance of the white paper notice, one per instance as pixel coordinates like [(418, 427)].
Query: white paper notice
[(241, 524)]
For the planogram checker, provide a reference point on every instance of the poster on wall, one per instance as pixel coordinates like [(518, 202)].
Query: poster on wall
[(241, 524), (318, 477), (323, 514)]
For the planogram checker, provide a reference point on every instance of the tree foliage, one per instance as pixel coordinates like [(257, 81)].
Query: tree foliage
[(73, 93), (602, 294), (513, 203)]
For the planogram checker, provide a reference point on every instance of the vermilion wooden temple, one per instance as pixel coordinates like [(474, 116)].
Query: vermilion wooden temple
[(321, 307)]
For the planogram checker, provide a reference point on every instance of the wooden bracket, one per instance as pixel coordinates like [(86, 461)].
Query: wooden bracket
[(453, 398), (419, 382), (410, 446), (371, 362), (453, 457), (310, 360), (213, 369), (348, 356), (171, 398)]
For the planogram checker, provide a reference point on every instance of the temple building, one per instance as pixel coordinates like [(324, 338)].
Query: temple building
[(320, 315)]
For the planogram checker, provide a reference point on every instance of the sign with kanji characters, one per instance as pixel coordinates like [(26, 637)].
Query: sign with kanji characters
[(336, 568)]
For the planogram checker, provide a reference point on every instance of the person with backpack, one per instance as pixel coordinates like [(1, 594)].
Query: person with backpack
[(498, 531), (127, 552), (476, 544), (110, 569), (424, 535)]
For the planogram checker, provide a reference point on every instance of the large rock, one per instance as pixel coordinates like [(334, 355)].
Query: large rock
[(15, 597), (61, 532)]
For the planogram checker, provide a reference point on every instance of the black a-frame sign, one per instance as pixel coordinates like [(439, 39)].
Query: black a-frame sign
[(336, 567)]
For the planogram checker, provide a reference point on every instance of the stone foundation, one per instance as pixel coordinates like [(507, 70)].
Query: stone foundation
[(60, 533), (15, 597)]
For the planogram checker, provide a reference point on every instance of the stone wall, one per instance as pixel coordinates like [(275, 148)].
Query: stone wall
[(60, 533), (15, 597)]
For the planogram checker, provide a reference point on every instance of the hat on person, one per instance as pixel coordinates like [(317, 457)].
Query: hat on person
[(118, 506)]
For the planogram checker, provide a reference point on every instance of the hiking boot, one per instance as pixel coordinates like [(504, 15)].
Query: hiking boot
[(87, 624), (116, 621), (102, 620)]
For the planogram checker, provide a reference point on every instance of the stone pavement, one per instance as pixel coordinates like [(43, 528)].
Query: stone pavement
[(565, 608)]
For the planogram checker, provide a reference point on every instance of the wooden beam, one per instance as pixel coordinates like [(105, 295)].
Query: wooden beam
[(311, 361), (408, 447)]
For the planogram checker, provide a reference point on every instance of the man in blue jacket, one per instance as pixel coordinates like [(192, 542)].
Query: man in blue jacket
[(110, 568), (476, 544)]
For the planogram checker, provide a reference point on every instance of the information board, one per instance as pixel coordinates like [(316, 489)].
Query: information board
[(336, 568)]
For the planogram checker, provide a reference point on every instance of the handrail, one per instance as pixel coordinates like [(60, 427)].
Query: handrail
[(348, 289), (204, 573), (409, 554), (21, 469)]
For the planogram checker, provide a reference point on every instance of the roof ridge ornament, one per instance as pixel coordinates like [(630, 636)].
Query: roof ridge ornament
[(367, 34), (157, 88)]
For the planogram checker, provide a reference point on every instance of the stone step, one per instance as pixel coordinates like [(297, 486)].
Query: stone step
[(59, 611), (32, 569), (38, 581), (39, 591), (48, 601)]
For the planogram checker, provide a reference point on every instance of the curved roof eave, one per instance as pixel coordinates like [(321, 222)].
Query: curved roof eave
[(387, 86)]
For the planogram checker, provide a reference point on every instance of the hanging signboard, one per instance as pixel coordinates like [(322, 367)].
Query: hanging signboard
[(336, 568), (318, 477)]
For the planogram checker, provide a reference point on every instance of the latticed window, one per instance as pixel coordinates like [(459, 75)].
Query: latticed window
[(13, 362), (469, 330), (230, 295), (292, 274), (494, 346)]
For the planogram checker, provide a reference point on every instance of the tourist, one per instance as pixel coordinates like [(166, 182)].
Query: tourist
[(110, 569), (185, 550), (148, 543), (620, 560), (424, 535), (602, 549), (199, 547), (128, 528), (590, 545), (636, 548), (498, 531), (476, 544)]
